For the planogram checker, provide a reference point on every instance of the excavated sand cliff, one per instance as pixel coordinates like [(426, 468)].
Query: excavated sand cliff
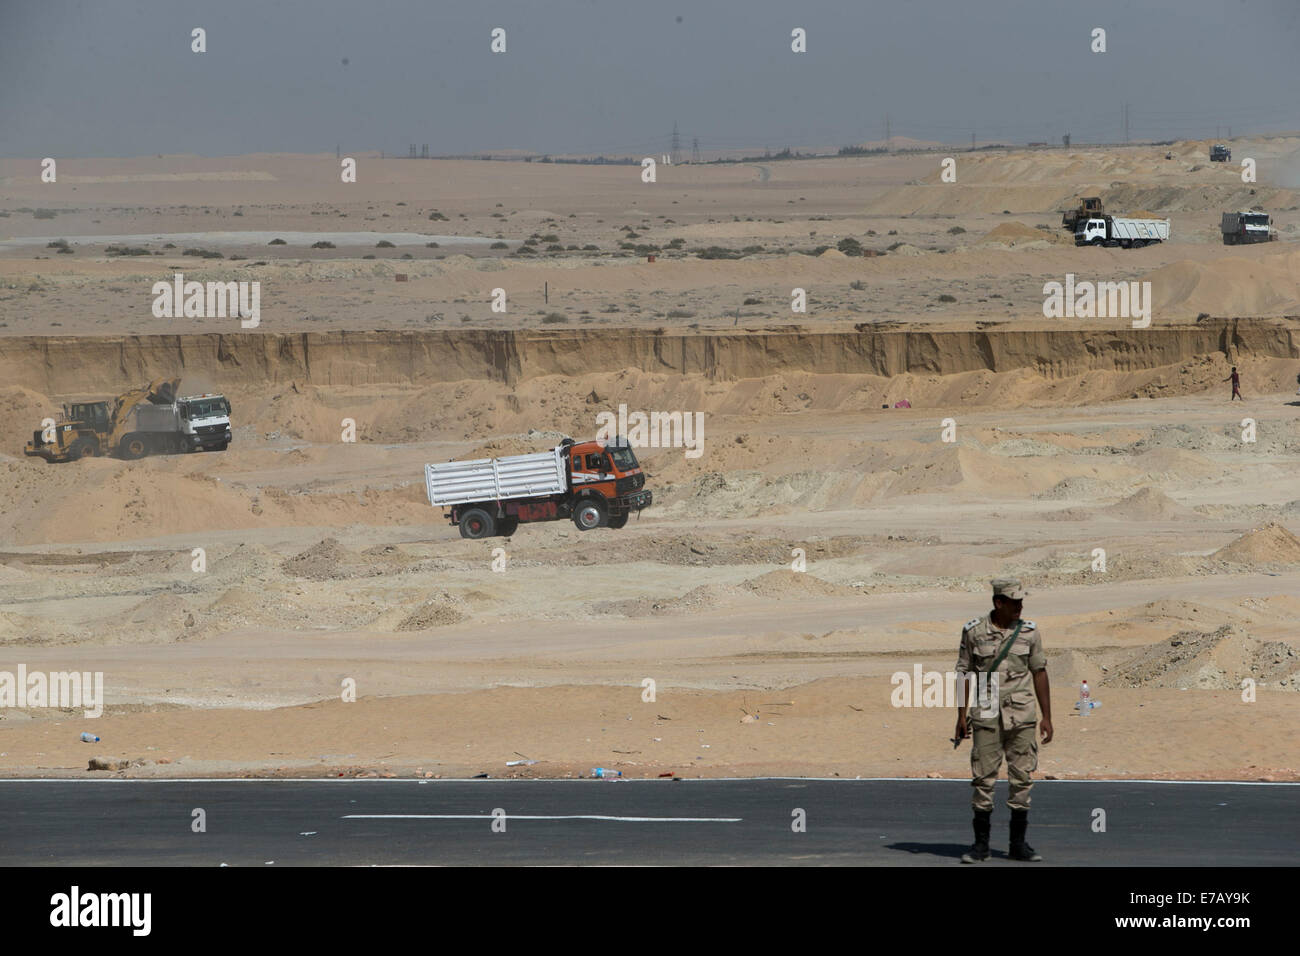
[(62, 366)]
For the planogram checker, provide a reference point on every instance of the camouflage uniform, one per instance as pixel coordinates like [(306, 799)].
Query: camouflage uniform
[(1012, 730)]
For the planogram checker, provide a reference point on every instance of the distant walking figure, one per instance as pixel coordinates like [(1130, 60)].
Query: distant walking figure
[(1236, 383)]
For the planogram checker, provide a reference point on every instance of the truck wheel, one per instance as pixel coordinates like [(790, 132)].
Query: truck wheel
[(508, 527), (589, 515), (1138, 243), (617, 521), (133, 447), (477, 523), (82, 449)]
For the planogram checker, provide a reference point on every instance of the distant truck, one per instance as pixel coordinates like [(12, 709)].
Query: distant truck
[(148, 420), (1249, 226), (1116, 231), (1220, 154), (596, 484), (1089, 207)]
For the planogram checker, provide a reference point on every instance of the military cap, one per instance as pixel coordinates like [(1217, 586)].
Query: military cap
[(1009, 588)]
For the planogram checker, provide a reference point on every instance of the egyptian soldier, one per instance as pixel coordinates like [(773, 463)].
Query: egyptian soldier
[(1007, 651)]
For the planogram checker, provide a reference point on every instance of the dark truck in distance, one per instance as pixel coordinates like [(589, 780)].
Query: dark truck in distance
[(1249, 226), (1220, 154), (596, 484)]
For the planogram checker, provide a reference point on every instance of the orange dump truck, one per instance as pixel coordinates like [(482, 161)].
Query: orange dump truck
[(597, 484)]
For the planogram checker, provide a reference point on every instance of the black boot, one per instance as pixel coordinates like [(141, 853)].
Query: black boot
[(980, 849), (1020, 850)]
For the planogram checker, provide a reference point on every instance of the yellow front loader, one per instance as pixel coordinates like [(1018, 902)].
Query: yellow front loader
[(87, 429)]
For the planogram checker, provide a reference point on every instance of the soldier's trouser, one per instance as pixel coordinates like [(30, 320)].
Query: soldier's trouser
[(988, 746)]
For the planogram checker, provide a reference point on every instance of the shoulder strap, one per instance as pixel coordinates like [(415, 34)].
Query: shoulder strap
[(1006, 649)]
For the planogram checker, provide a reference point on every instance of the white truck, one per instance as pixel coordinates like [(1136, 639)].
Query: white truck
[(597, 484), (204, 420), (1117, 231)]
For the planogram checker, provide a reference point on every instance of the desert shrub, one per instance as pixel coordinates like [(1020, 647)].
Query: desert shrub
[(499, 245), (554, 318), (717, 252), (384, 244), (956, 231), (277, 242), (322, 244)]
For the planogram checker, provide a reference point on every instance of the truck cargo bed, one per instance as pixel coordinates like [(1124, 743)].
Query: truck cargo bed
[(489, 479)]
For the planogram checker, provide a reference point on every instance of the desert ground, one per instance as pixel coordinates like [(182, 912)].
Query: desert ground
[(324, 567)]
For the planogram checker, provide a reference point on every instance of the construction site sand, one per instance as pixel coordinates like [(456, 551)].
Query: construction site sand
[(324, 561)]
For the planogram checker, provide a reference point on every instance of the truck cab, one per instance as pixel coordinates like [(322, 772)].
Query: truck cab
[(607, 477), (1091, 232), (205, 421), (1220, 153)]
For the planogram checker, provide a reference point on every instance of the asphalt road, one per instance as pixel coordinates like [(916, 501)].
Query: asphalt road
[(641, 822)]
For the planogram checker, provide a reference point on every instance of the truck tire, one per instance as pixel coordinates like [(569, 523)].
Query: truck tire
[(507, 527), (133, 446), (477, 523), (82, 449), (617, 521), (1139, 243), (589, 514)]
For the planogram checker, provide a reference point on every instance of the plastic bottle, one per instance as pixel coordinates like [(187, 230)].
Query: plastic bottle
[(1085, 699), (89, 738), (602, 772)]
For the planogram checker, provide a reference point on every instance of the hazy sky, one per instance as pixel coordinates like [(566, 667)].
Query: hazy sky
[(118, 78)]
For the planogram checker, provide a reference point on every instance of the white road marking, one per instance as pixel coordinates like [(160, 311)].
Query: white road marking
[(526, 816)]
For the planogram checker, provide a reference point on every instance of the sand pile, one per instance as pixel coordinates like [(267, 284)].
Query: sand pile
[(1147, 504), (1265, 283), (1079, 486), (1271, 544), (1215, 660), (1017, 234), (702, 598), (785, 584), (438, 611), (1074, 667), (320, 562)]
